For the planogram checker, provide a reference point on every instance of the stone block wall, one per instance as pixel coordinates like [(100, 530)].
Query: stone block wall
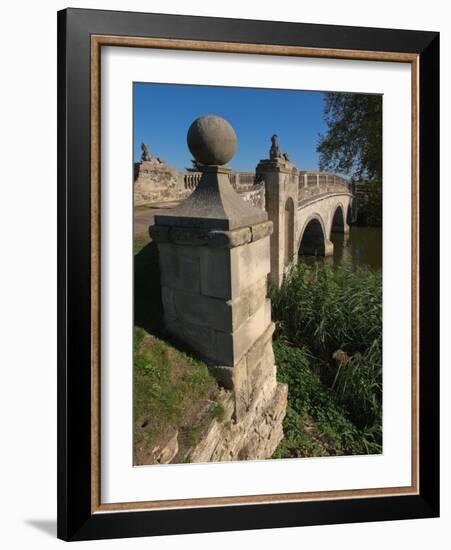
[(214, 292)]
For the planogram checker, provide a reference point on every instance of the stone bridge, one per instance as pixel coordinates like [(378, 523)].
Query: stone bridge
[(304, 207), (216, 251)]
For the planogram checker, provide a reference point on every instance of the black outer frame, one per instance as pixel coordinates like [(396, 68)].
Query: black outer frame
[(75, 520)]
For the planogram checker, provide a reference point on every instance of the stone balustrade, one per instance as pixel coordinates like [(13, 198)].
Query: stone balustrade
[(156, 183), (241, 181), (317, 183), (191, 180)]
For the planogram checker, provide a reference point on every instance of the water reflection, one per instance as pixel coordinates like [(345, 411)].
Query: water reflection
[(363, 246)]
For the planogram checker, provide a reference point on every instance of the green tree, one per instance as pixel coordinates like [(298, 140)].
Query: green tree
[(196, 166), (352, 144)]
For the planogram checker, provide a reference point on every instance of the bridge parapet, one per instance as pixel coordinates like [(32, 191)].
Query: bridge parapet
[(241, 181), (317, 183)]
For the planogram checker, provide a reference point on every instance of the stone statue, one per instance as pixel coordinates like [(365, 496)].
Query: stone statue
[(145, 152), (285, 156), (275, 152)]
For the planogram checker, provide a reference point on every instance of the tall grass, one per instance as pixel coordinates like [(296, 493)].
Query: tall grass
[(335, 315), (329, 308)]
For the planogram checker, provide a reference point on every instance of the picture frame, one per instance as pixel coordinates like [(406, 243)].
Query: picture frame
[(81, 36)]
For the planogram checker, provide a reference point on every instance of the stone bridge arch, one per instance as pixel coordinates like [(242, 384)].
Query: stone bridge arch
[(339, 219), (312, 239), (331, 209)]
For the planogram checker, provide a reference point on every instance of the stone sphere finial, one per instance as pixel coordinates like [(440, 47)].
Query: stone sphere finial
[(211, 140)]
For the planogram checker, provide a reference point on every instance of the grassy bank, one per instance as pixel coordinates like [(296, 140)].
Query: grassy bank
[(329, 350), (173, 391)]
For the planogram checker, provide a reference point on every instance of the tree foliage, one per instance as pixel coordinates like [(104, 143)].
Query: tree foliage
[(196, 166), (352, 144)]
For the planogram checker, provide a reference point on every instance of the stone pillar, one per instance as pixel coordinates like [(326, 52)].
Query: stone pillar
[(214, 255), (328, 248), (279, 185)]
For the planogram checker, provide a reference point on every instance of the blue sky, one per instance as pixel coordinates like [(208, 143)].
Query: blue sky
[(164, 112)]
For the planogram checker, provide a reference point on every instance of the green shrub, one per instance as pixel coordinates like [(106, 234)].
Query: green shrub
[(308, 398)]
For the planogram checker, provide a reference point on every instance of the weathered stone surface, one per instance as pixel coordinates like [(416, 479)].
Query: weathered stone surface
[(192, 236), (201, 339), (328, 248), (162, 453), (261, 230), (257, 350), (262, 376), (204, 324), (159, 233), (197, 309), (256, 196), (216, 273), (230, 347), (157, 182), (255, 436), (211, 140), (188, 236), (213, 205), (255, 295), (230, 239), (213, 433), (180, 267), (249, 264), (248, 303), (156, 188)]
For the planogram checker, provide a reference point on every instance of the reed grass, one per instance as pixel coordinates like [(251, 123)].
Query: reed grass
[(334, 315)]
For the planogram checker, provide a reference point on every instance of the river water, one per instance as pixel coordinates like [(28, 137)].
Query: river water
[(363, 246)]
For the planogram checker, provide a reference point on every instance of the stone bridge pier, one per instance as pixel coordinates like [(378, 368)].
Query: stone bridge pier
[(281, 186), (305, 209), (214, 254)]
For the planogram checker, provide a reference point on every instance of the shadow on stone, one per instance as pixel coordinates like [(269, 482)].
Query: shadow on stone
[(147, 291), (148, 307)]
